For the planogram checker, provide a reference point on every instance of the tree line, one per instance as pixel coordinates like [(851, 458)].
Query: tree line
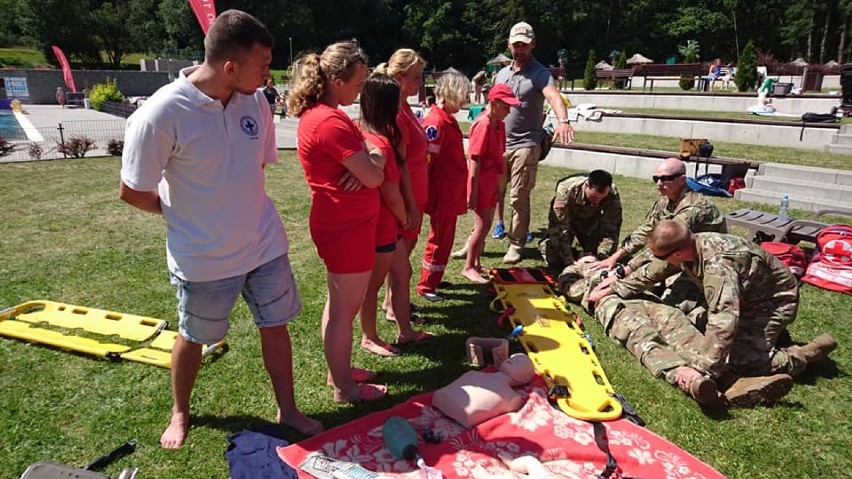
[(459, 33)]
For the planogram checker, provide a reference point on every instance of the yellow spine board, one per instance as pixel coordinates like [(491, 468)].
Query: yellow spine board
[(22, 322), (560, 351)]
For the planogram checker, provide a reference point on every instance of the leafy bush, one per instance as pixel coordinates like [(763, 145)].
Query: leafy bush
[(6, 148), (690, 53), (590, 81), (115, 147), (76, 146), (103, 92), (746, 77), (35, 151)]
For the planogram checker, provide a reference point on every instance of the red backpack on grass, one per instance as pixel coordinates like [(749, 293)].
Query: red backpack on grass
[(831, 266), (791, 255)]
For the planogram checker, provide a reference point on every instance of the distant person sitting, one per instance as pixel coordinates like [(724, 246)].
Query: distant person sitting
[(715, 73), (728, 77), (60, 96)]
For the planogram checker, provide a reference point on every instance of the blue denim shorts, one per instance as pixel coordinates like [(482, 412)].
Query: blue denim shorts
[(205, 306)]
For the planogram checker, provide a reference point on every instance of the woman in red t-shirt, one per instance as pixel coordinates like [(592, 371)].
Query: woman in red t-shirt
[(343, 172), (406, 67), (447, 180), (486, 145), (379, 107)]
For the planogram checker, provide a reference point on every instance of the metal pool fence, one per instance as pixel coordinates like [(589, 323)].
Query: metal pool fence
[(99, 131)]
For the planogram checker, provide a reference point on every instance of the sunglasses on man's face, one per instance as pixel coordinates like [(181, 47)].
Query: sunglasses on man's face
[(664, 257), (665, 178)]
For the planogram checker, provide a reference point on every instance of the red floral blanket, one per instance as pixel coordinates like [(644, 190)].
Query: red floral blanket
[(565, 445)]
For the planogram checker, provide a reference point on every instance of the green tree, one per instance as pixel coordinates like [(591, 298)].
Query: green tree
[(746, 77), (690, 53), (113, 30), (590, 81), (621, 64), (68, 24)]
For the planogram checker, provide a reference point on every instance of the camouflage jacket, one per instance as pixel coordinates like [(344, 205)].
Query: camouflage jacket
[(742, 285), (699, 213), (571, 210)]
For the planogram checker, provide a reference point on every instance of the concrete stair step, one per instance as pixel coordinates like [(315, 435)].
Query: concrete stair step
[(800, 188), (842, 139), (797, 202), (806, 173), (839, 148)]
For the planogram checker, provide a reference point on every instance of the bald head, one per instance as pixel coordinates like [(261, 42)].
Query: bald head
[(670, 178)]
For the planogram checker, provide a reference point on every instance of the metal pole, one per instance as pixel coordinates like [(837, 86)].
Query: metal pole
[(62, 140), (291, 50)]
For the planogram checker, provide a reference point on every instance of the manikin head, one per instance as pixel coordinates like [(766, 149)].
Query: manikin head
[(519, 368)]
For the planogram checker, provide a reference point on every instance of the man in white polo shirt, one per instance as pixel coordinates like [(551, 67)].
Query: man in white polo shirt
[(195, 153), (532, 83)]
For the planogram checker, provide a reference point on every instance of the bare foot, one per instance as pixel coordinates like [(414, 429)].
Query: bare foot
[(474, 276), (379, 348), (300, 422), (175, 434), (362, 392), (359, 375)]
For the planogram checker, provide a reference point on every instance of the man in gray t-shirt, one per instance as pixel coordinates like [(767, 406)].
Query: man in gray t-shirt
[(532, 84)]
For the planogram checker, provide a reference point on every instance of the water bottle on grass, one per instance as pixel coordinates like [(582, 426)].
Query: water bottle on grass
[(785, 205)]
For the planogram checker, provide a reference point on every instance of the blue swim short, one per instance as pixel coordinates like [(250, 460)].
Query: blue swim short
[(205, 306)]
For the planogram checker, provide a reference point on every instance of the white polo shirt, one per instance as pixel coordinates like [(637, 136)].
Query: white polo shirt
[(206, 161)]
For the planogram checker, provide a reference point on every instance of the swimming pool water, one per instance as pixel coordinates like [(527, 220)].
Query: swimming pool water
[(9, 127)]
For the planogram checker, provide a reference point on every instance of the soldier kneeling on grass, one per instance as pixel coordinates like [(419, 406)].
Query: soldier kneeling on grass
[(730, 354)]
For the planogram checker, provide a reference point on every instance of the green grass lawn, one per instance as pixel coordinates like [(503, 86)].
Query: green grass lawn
[(68, 238)]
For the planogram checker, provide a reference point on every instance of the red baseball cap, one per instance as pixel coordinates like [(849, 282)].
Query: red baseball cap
[(502, 92)]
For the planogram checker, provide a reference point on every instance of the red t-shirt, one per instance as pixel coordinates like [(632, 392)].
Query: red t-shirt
[(448, 165), (488, 142), (326, 137), (387, 229), (414, 139)]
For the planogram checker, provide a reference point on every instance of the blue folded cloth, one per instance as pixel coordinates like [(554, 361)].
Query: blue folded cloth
[(252, 455)]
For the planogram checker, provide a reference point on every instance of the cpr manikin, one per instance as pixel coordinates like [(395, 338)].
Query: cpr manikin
[(477, 396)]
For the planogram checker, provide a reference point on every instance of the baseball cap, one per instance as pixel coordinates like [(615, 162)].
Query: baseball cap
[(521, 32), (502, 92)]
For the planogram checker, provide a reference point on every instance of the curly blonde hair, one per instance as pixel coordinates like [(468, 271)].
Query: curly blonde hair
[(314, 71), (401, 61), (452, 89)]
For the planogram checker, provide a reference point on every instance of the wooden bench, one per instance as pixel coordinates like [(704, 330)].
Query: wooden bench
[(661, 71), (787, 230), (611, 76)]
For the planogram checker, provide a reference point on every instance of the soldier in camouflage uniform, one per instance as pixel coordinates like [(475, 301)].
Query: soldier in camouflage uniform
[(751, 298), (586, 210), (676, 201)]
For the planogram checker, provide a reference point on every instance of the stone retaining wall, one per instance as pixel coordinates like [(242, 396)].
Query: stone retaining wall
[(42, 83)]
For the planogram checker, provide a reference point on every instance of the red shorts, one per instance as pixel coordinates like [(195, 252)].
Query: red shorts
[(387, 229), (346, 247), (486, 193), (414, 233)]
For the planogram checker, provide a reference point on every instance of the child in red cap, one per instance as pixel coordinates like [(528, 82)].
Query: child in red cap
[(486, 145)]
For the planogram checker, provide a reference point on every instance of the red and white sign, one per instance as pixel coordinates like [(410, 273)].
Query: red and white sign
[(66, 68), (205, 12)]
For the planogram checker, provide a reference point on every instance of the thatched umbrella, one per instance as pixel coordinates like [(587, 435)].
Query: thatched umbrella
[(500, 60), (638, 59), (602, 65)]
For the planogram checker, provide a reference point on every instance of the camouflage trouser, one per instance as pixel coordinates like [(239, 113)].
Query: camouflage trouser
[(754, 352), (661, 337)]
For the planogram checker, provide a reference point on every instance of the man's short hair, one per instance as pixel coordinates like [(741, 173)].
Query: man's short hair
[(668, 235), (600, 180), (232, 33)]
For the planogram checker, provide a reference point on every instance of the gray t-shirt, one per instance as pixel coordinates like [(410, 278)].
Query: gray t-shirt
[(524, 123)]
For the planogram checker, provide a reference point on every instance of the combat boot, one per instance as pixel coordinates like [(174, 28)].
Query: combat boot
[(751, 392), (704, 391), (816, 350)]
